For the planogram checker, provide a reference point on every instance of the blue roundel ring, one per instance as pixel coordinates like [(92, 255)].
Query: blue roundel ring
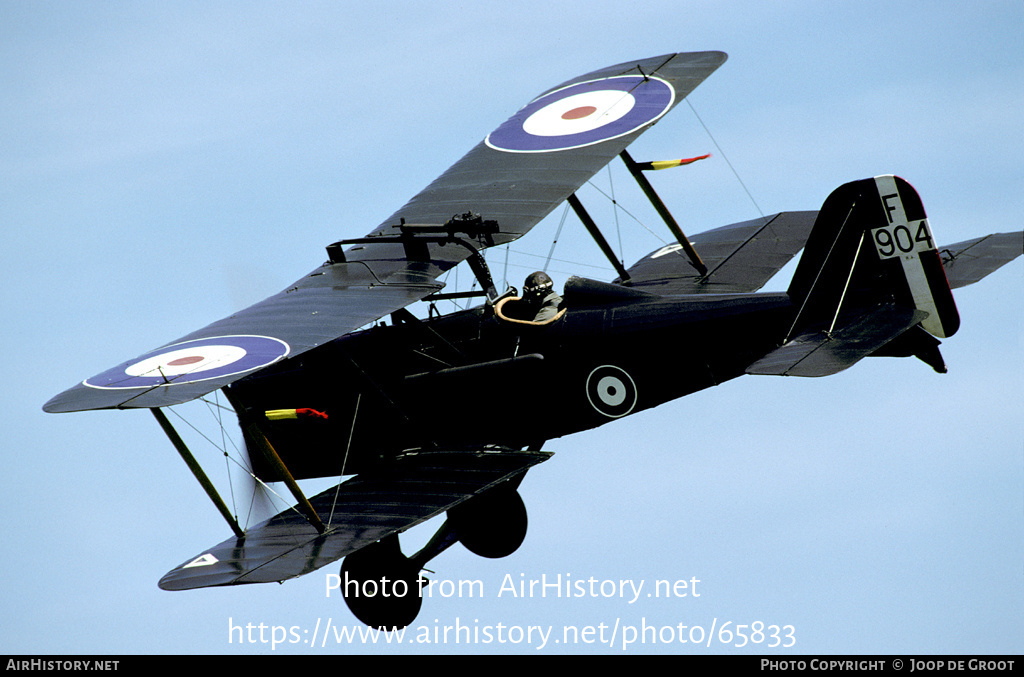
[(584, 114), (192, 361)]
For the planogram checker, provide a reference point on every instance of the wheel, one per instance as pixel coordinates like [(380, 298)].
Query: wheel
[(492, 525), (381, 586)]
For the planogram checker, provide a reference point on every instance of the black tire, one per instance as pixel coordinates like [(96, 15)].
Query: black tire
[(381, 586), (492, 525)]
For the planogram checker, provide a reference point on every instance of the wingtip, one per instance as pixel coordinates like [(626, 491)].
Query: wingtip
[(58, 404)]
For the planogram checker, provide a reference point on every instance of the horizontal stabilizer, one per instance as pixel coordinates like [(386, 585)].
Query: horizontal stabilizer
[(969, 261), (357, 513), (821, 353)]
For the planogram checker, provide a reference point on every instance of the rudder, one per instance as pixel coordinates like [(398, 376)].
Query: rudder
[(870, 244)]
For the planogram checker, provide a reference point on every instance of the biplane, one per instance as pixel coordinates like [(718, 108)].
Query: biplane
[(336, 377)]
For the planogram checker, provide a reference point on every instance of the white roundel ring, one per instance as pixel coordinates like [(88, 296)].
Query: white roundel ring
[(611, 391), (583, 114), (192, 361), (187, 361), (579, 113)]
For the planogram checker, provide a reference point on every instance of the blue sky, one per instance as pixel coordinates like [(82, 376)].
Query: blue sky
[(164, 164)]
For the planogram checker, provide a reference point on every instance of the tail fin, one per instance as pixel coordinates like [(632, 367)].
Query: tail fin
[(871, 244)]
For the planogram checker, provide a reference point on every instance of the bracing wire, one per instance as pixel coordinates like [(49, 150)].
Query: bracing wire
[(615, 213), (627, 213), (725, 157), (574, 263), (228, 456), (558, 233), (214, 408), (344, 460)]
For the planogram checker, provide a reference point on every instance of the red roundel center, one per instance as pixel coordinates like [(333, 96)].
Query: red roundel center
[(577, 113), (182, 361)]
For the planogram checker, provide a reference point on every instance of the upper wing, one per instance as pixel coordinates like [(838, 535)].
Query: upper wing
[(514, 178), (318, 308), (556, 143), (740, 258)]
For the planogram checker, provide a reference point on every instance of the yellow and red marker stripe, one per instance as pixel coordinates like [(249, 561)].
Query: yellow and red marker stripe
[(667, 164), (302, 412)]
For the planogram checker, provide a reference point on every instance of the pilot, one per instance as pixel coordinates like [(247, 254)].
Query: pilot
[(540, 301)]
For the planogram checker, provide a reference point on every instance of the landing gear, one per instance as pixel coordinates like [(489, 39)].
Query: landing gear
[(382, 587), (492, 525)]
